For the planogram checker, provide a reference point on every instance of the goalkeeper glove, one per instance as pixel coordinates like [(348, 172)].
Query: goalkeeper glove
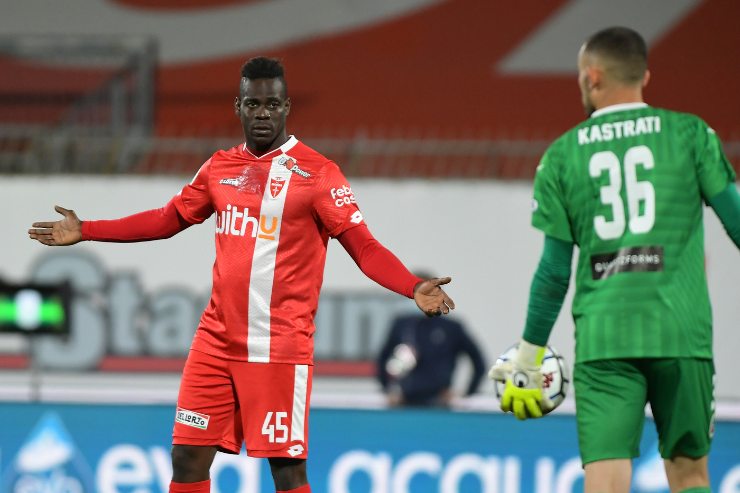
[(523, 394)]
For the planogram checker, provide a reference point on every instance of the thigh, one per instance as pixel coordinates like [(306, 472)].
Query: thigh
[(207, 411), (610, 409), (274, 400), (681, 395)]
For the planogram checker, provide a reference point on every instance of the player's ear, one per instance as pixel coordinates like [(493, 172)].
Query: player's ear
[(645, 78), (287, 106), (594, 77), (237, 101)]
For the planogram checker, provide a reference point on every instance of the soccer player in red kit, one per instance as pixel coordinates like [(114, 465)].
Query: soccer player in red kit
[(248, 375)]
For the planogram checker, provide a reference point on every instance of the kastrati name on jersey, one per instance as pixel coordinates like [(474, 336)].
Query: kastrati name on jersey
[(236, 223), (343, 196), (606, 132)]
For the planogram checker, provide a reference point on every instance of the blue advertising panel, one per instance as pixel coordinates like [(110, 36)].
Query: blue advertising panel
[(65, 448)]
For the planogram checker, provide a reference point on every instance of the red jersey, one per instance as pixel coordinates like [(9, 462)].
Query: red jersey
[(274, 216)]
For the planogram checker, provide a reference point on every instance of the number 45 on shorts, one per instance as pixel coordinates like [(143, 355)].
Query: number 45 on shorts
[(276, 431)]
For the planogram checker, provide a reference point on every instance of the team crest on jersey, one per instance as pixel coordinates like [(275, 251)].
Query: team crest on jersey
[(276, 185)]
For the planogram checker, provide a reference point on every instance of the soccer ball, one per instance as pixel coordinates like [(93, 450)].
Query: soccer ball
[(555, 375)]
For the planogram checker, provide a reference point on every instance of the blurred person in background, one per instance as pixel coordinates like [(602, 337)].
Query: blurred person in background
[(419, 357), (628, 187), (248, 375)]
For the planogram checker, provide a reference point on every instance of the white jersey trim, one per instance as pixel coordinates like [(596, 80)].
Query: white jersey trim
[(300, 394), (618, 107), (289, 144), (263, 262)]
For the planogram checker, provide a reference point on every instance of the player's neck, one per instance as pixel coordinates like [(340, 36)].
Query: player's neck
[(259, 151), (622, 95)]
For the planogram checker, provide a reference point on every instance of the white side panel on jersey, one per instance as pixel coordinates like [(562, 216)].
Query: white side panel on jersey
[(300, 392), (263, 262)]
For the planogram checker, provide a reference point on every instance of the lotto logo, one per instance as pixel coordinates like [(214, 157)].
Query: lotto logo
[(191, 418), (342, 196), (295, 450)]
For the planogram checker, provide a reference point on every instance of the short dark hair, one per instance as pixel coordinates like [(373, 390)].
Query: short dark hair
[(624, 51), (263, 68)]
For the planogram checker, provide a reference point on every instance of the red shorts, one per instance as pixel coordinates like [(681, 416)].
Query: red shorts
[(223, 403)]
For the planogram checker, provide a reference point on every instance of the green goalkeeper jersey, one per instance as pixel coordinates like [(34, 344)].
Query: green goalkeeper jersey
[(627, 186)]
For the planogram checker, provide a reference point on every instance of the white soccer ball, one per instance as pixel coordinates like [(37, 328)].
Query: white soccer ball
[(555, 375)]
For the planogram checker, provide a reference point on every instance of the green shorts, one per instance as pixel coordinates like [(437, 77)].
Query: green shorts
[(610, 406)]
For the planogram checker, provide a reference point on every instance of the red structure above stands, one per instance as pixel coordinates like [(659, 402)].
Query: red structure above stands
[(487, 84), (438, 72)]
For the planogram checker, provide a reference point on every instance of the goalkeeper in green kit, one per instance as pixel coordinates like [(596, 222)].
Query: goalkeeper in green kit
[(628, 187)]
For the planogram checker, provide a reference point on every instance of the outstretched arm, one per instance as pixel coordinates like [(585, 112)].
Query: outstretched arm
[(380, 265), (726, 205), (154, 224)]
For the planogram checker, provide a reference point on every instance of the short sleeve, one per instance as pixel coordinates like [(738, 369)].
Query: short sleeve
[(548, 205), (713, 169), (194, 200), (334, 202)]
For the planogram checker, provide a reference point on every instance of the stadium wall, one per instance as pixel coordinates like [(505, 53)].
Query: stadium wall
[(477, 232), (111, 449)]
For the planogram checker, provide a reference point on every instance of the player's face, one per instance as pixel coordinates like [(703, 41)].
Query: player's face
[(584, 83), (263, 107)]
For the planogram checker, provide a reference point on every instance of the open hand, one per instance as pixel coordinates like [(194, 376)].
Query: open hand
[(431, 299), (67, 231)]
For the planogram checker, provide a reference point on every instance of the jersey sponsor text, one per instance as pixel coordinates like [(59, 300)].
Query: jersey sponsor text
[(191, 418), (629, 259), (343, 196), (233, 222)]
